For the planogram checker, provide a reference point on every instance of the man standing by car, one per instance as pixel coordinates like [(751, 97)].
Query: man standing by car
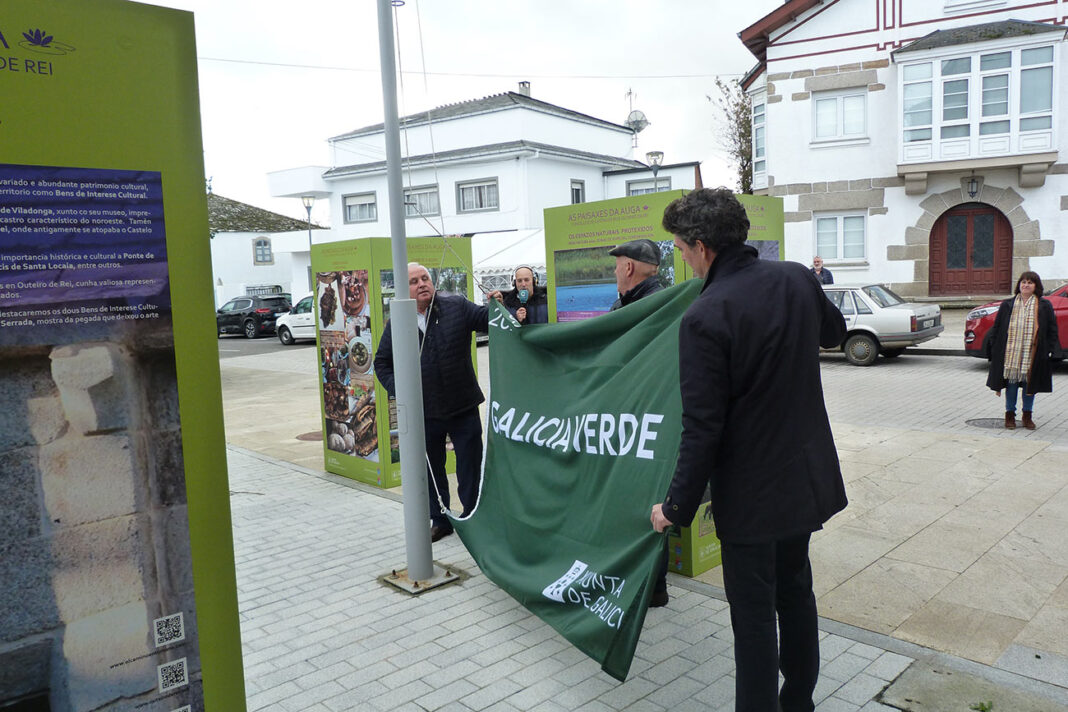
[(451, 395), (527, 301), (822, 273), (637, 263), (755, 431)]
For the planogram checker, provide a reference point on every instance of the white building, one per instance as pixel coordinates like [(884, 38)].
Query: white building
[(486, 168), (916, 142), (255, 251)]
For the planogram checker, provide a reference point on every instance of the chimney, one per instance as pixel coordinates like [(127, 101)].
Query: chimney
[(524, 88)]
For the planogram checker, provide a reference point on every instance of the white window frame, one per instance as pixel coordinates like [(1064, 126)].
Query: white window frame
[(266, 258), (480, 183), (985, 137), (578, 186), (955, 7), (345, 205), (645, 186), (411, 210), (759, 138), (840, 136), (839, 217)]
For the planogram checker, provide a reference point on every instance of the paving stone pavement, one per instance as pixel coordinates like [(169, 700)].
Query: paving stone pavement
[(320, 633)]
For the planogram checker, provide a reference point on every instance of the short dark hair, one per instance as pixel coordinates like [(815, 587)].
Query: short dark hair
[(712, 215), (1031, 277)]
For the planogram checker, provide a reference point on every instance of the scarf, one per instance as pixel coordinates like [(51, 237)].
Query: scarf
[(1023, 332)]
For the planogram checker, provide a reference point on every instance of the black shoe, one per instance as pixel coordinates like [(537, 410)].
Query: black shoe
[(437, 532), (659, 599)]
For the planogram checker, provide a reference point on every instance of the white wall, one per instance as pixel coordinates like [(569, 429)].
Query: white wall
[(233, 268)]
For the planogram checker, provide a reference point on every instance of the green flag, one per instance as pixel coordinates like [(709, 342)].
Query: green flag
[(582, 437)]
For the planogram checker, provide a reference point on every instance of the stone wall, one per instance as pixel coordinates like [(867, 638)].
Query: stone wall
[(93, 526)]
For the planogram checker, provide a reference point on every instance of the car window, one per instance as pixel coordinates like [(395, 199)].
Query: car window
[(862, 306), (229, 306), (241, 304), (882, 296), (837, 297), (303, 306), (278, 303), (847, 304), (1061, 292)]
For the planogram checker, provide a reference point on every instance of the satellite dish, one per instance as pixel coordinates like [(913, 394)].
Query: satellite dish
[(636, 121)]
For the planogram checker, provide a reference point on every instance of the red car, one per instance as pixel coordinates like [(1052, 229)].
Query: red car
[(978, 322)]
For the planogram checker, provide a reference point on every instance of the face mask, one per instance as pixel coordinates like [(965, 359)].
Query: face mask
[(524, 295)]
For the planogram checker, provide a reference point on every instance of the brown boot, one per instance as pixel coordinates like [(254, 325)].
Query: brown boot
[(1010, 419), (1027, 422)]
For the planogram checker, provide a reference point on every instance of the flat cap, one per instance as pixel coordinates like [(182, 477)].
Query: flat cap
[(642, 250)]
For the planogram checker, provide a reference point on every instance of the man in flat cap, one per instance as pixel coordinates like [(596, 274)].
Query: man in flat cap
[(637, 263)]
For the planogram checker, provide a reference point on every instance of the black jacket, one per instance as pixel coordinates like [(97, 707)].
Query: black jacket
[(754, 424), (449, 382), (824, 276), (537, 305), (1048, 344), (649, 285)]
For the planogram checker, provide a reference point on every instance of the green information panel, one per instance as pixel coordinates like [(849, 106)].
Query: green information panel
[(582, 281), (354, 284), (117, 585)]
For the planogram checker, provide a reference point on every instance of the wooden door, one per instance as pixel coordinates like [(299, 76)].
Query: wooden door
[(971, 252)]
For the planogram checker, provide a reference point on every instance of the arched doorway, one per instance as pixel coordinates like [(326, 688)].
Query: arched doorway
[(971, 251)]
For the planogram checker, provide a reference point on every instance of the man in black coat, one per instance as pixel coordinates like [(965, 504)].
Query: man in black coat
[(527, 301), (451, 395), (755, 428)]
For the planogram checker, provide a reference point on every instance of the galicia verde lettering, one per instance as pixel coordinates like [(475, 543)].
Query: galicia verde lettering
[(582, 586), (606, 434)]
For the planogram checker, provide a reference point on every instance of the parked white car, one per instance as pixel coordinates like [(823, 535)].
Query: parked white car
[(299, 323), (880, 322)]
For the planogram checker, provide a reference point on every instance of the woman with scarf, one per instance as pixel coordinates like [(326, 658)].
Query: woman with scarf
[(1021, 343)]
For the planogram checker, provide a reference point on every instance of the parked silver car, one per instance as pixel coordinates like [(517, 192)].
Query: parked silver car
[(880, 322)]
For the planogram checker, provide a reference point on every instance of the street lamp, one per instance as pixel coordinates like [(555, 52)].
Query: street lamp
[(655, 159), (309, 201)]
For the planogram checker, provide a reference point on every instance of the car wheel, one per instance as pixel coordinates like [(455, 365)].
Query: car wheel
[(861, 350), (251, 330), (285, 336), (893, 353)]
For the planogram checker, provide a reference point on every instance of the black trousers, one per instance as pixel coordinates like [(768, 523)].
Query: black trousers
[(765, 582), (465, 431)]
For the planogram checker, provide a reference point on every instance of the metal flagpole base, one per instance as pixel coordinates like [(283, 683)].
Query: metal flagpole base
[(442, 576)]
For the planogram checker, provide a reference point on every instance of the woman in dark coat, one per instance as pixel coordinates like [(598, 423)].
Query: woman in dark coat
[(1021, 343)]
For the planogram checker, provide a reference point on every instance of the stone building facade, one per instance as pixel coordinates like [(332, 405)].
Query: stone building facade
[(916, 145)]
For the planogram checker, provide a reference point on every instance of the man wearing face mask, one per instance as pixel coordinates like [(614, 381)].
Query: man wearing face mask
[(528, 301)]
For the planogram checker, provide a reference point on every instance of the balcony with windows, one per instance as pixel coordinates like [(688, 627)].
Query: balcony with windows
[(984, 96)]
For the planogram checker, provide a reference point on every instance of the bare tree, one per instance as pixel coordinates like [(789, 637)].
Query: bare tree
[(735, 135)]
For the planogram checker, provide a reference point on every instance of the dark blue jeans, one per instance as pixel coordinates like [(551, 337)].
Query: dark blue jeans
[(465, 430), (764, 582)]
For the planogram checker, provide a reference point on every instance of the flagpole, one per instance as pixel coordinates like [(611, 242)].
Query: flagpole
[(405, 340)]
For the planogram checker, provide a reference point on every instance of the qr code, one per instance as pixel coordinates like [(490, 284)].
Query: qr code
[(172, 675), (169, 629)]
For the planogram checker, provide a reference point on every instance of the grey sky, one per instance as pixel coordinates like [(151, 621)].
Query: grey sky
[(278, 78)]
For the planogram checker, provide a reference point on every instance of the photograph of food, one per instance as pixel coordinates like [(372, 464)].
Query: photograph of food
[(360, 358), (356, 434), (329, 285), (334, 367), (353, 286)]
